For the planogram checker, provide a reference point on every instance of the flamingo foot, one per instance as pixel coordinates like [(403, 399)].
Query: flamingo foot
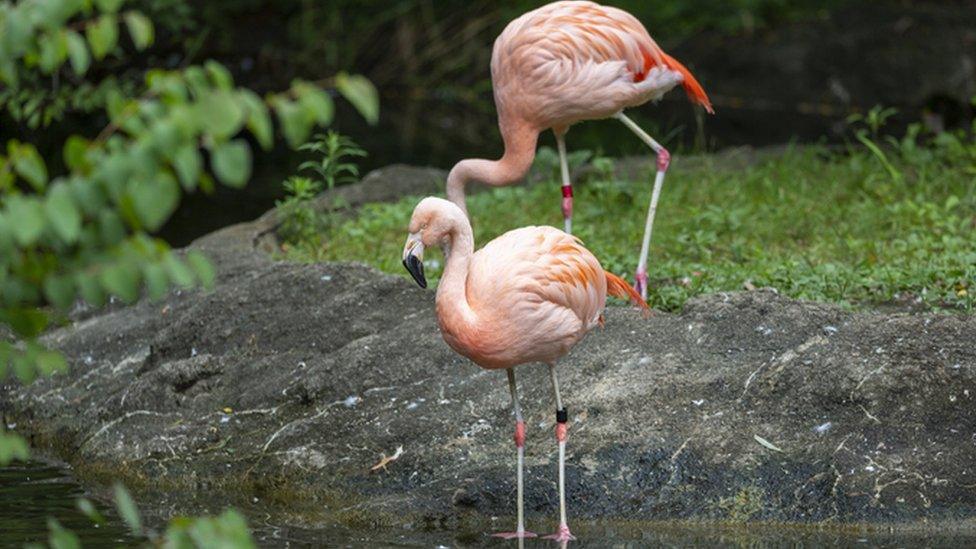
[(519, 534), (562, 535), (640, 285)]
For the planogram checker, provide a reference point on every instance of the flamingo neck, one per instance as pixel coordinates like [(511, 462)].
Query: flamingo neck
[(520, 140), (452, 300)]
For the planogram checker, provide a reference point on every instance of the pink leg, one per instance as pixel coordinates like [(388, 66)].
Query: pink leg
[(562, 416), (663, 161), (567, 184), (520, 531)]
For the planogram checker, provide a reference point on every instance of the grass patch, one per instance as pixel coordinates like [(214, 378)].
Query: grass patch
[(865, 226)]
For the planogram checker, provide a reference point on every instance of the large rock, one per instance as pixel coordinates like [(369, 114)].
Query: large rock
[(290, 381)]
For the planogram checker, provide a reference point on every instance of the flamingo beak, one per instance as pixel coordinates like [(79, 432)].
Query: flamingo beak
[(413, 259)]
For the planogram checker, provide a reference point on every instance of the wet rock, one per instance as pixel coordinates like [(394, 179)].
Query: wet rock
[(292, 382)]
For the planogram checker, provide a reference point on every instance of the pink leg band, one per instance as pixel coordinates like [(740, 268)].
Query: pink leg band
[(663, 160), (561, 432), (519, 434)]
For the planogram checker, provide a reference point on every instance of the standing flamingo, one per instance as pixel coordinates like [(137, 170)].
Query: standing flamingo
[(528, 296), (564, 63)]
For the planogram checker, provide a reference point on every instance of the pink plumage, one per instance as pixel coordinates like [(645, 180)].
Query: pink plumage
[(564, 63), (528, 296)]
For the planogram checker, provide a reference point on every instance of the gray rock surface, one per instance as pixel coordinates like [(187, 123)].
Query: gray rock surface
[(291, 381)]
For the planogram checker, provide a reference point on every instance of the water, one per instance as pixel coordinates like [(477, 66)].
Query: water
[(32, 492)]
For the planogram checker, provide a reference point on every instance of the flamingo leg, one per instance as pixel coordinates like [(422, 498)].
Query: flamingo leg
[(520, 531), (663, 161), (563, 534), (567, 184)]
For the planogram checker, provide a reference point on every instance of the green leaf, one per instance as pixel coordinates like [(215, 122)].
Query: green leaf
[(75, 153), (127, 508), (28, 164), (23, 369), (219, 75), (179, 273), (187, 163), (53, 51), (88, 509), (220, 114), (294, 123), (59, 537), (27, 322), (258, 119), (26, 217), (231, 163), (359, 91), (316, 103), (102, 35), (6, 238), (17, 32), (140, 29), (90, 289), (109, 6), (62, 213), (60, 291), (50, 363), (157, 283), (122, 280), (202, 268), (155, 201), (110, 227), (78, 53), (12, 447)]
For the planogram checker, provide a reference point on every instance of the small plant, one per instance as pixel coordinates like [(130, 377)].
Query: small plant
[(333, 168), (873, 121), (300, 223)]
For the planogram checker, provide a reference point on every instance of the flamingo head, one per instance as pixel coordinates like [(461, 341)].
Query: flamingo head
[(432, 224)]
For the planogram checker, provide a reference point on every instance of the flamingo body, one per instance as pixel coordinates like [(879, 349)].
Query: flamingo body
[(536, 292), (563, 63), (571, 61), (528, 296)]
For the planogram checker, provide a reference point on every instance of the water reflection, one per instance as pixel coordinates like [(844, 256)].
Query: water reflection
[(32, 492)]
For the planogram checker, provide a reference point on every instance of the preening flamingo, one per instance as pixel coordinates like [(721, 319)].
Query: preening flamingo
[(564, 63), (528, 296)]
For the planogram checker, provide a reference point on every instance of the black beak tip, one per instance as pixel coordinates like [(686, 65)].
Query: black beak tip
[(416, 269)]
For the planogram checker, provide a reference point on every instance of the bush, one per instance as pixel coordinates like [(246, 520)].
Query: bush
[(84, 232)]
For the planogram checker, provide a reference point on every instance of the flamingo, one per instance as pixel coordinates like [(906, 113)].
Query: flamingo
[(564, 63), (527, 296)]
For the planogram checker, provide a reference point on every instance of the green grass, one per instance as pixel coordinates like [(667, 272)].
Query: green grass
[(861, 227)]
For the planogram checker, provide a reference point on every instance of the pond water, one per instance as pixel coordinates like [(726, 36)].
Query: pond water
[(32, 492)]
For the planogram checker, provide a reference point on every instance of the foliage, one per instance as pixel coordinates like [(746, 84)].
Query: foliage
[(300, 223), (812, 223), (333, 168), (229, 529), (83, 233)]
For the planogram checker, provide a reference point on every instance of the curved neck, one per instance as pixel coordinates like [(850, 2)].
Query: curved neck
[(452, 299), (520, 140)]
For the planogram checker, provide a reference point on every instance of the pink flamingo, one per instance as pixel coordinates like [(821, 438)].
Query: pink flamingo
[(564, 63), (528, 296)]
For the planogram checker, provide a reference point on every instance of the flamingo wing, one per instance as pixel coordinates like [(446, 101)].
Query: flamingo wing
[(540, 274), (598, 55)]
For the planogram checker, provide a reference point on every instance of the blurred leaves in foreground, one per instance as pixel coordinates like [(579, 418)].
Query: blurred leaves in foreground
[(76, 231)]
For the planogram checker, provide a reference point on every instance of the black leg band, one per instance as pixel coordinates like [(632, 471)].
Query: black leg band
[(562, 416)]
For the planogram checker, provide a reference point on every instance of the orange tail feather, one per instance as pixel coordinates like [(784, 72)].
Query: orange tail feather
[(694, 90), (618, 287)]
